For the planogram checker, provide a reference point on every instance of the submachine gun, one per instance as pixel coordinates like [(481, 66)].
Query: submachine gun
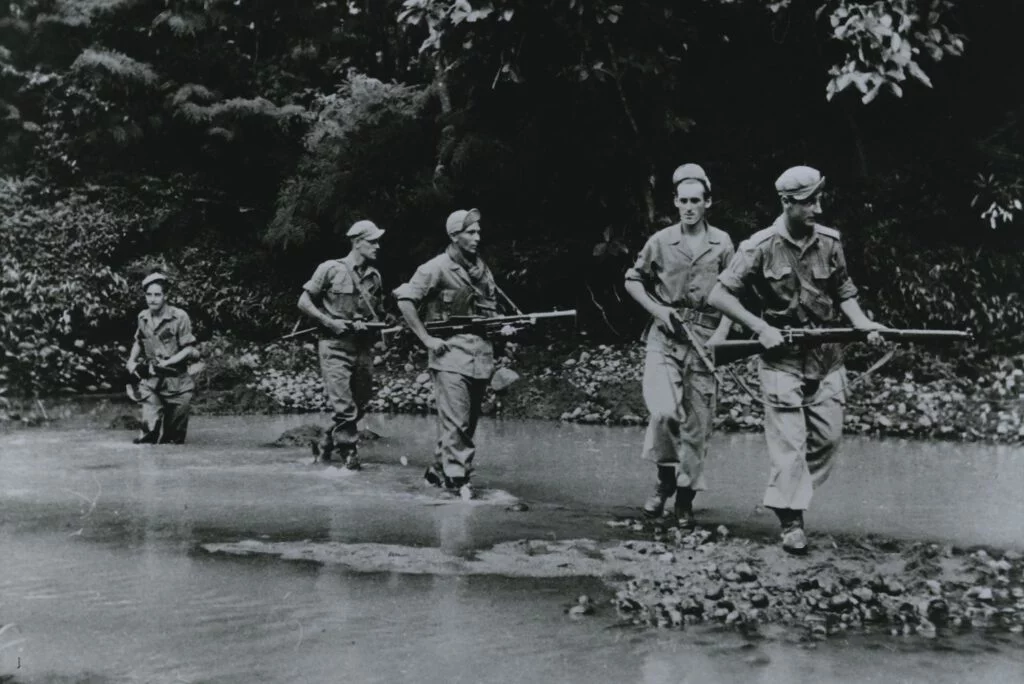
[(734, 350)]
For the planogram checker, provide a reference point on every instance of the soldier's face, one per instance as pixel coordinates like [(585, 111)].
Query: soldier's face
[(803, 213), (367, 249), (155, 297), (469, 239), (691, 202)]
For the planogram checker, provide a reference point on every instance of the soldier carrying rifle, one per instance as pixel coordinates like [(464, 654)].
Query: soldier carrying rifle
[(344, 297), (455, 283), (671, 279), (797, 269)]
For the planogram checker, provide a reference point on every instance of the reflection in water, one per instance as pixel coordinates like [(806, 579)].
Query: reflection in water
[(101, 570)]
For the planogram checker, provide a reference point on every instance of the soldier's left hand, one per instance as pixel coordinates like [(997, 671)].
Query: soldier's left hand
[(359, 326), (508, 330), (874, 338)]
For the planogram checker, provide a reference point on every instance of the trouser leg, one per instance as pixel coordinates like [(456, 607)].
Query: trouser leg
[(152, 416), (825, 426), (176, 410), (790, 485), (458, 399), (347, 384), (681, 403)]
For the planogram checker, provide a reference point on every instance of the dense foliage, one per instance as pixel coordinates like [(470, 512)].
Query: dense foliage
[(233, 141)]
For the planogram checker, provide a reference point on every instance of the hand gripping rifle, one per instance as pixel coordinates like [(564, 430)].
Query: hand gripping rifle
[(733, 350), (479, 325)]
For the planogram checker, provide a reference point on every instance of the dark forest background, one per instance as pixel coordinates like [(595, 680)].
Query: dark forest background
[(232, 143)]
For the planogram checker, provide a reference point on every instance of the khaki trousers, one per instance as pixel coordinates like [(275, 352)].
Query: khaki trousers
[(802, 442), (681, 403), (348, 382), (458, 398)]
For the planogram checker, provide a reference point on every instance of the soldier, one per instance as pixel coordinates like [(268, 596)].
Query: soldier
[(166, 344), (672, 277), (797, 269), (341, 296), (454, 283)]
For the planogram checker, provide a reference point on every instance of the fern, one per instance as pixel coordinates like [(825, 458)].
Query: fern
[(115, 64), (190, 92), (182, 24)]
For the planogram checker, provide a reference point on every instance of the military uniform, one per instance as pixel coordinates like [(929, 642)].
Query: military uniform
[(800, 284), (166, 395), (347, 292), (446, 286), (678, 389)]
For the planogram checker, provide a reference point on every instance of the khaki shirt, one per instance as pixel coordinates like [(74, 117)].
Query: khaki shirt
[(798, 285), (682, 278), (161, 338), (348, 292), (441, 288)]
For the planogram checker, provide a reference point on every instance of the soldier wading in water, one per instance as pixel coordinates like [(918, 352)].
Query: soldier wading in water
[(454, 283), (796, 268), (342, 296), (671, 278)]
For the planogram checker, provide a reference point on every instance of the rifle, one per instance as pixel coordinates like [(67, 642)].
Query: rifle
[(733, 350), (479, 324), (384, 329), (681, 331)]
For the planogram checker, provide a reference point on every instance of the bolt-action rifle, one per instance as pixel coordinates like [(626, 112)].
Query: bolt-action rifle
[(380, 326), (479, 325), (733, 350)]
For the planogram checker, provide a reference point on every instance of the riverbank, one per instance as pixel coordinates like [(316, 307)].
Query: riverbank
[(926, 394)]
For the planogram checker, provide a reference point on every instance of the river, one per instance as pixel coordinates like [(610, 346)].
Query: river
[(109, 569)]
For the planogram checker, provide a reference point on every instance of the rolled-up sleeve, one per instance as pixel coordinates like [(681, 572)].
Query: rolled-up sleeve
[(643, 269), (316, 285), (419, 286), (185, 336), (741, 266), (845, 289)]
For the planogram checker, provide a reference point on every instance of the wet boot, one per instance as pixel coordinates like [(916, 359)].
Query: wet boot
[(666, 487), (794, 540), (434, 476), (684, 507), (461, 487), (352, 458)]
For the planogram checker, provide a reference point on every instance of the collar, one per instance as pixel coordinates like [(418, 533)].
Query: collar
[(167, 315), (710, 232), (780, 229)]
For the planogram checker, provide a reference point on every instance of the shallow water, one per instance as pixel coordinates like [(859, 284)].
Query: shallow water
[(107, 574)]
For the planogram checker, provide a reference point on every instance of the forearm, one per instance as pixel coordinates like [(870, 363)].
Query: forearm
[(637, 291), (183, 354), (722, 331), (133, 355), (851, 309), (730, 305), (412, 319), (309, 308)]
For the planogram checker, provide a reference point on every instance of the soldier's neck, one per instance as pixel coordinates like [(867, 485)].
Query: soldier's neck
[(357, 259), (798, 232), (694, 230)]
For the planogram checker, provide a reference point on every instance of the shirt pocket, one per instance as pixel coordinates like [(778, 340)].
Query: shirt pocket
[(781, 281)]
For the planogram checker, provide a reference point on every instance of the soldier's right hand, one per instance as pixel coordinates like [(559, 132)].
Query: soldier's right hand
[(436, 344), (337, 326), (664, 316), (770, 337)]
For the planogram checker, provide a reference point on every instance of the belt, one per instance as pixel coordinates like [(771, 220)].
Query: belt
[(692, 316)]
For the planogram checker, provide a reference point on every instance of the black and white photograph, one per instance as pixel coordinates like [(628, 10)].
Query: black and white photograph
[(511, 341)]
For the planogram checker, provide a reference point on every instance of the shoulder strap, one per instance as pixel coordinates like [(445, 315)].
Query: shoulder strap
[(362, 293)]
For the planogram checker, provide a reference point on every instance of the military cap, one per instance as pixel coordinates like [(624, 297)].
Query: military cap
[(154, 278), (460, 220), (364, 230), (691, 172), (799, 182)]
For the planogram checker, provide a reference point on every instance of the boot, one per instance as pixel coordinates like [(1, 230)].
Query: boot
[(794, 540), (666, 487), (684, 507), (352, 458), (434, 476)]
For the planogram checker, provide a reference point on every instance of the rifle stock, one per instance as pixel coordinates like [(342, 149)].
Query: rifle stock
[(382, 327), (734, 350)]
